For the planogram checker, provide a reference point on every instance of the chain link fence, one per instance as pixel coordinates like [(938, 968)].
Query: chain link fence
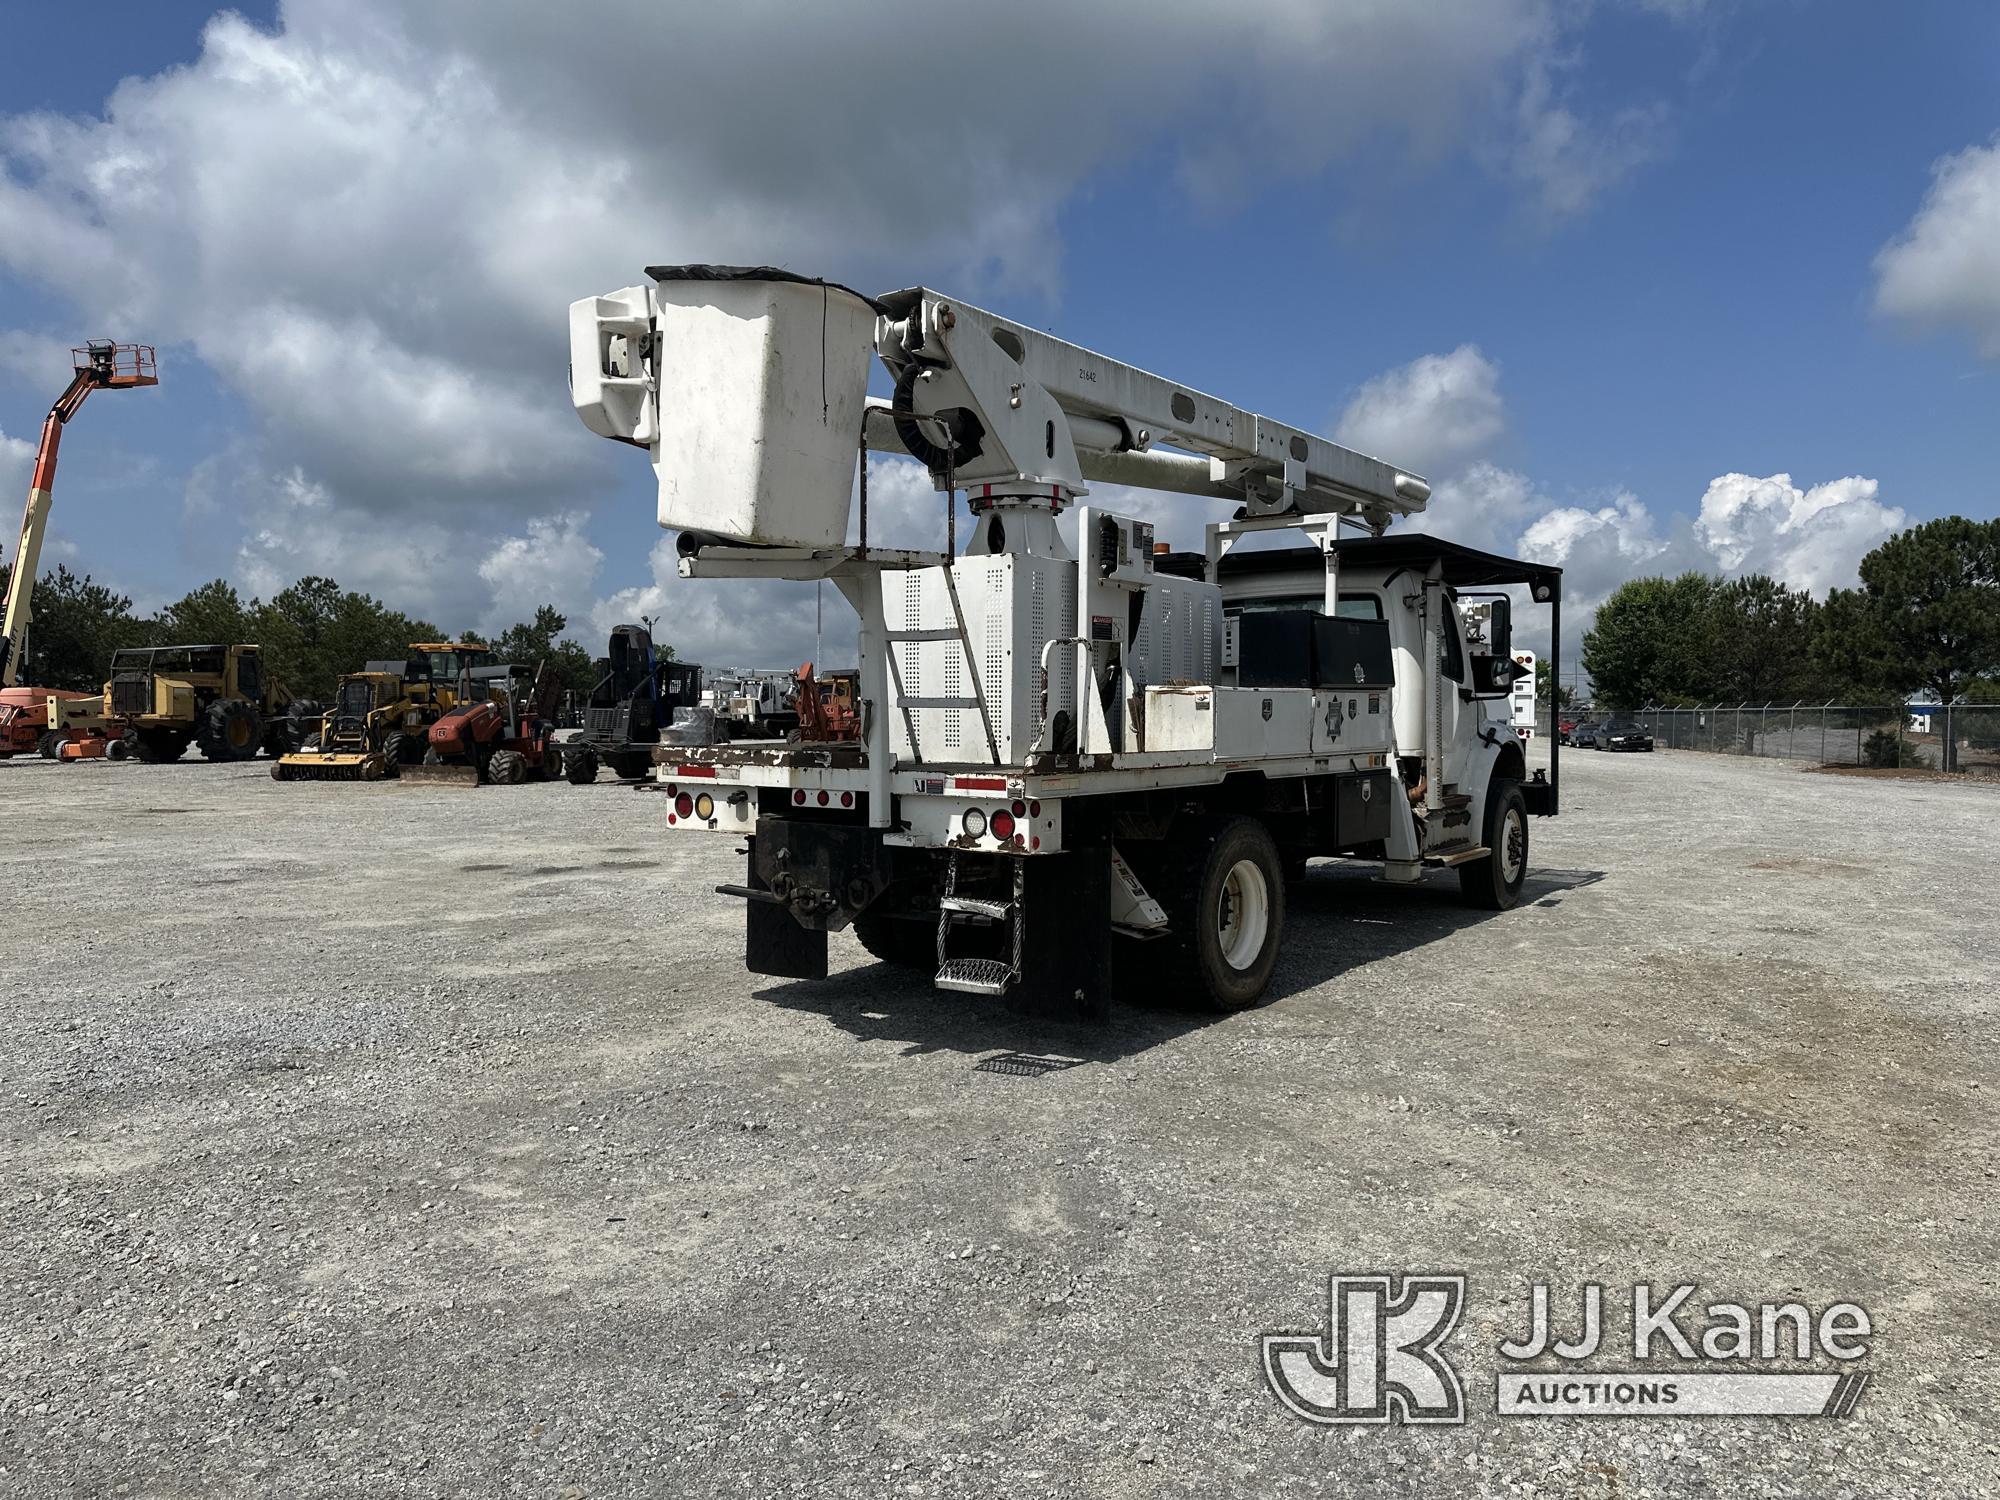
[(1953, 737)]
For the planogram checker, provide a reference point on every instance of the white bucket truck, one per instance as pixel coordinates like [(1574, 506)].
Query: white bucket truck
[(1075, 755)]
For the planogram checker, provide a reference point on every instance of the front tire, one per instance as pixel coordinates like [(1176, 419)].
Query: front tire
[(1494, 883), (507, 768), (580, 768), (230, 731)]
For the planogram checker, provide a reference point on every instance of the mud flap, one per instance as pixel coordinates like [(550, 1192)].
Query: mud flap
[(774, 943), (1066, 955)]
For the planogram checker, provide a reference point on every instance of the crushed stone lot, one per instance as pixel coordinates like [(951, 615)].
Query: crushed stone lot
[(385, 1140)]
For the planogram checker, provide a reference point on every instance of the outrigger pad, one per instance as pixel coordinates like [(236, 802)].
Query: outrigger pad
[(1066, 952)]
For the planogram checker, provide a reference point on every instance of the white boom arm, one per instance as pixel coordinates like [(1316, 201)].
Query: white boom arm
[(1044, 412)]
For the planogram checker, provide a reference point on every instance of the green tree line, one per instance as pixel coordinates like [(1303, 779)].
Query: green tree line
[(311, 632), (1925, 621)]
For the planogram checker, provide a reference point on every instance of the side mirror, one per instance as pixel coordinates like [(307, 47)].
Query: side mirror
[(1494, 676)]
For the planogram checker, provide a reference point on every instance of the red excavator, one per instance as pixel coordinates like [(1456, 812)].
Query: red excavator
[(501, 731), (24, 711)]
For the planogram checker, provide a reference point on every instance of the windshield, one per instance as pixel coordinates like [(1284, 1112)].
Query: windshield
[(356, 699)]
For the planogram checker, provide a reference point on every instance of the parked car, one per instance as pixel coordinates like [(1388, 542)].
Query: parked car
[(1625, 736), (1584, 735)]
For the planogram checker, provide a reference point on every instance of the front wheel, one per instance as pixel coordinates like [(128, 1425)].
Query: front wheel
[(507, 768), (1494, 883), (579, 765)]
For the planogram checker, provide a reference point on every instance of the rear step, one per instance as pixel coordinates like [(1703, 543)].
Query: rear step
[(977, 976), (980, 976), (978, 906)]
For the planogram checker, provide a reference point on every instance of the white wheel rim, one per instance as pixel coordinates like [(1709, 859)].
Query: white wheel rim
[(1243, 915), (1513, 846)]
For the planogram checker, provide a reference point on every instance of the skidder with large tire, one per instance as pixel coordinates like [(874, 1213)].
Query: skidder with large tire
[(161, 699)]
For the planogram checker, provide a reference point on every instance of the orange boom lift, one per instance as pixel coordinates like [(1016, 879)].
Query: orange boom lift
[(99, 366)]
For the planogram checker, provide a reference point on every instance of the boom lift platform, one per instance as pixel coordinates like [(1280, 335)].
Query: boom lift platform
[(1071, 751)]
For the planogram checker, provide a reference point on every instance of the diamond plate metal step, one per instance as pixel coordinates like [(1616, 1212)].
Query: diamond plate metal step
[(978, 906), (977, 976)]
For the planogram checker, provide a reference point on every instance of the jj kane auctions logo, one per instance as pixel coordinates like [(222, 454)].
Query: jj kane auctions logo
[(1380, 1359)]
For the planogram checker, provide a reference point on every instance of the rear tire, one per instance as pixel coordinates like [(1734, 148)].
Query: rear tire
[(1494, 883), (632, 765), (46, 743), (230, 731), (908, 943), (507, 768), (1225, 902), (580, 767), (119, 749)]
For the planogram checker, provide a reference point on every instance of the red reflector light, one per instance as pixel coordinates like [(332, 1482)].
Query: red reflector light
[(1034, 809), (672, 819), (822, 799), (671, 789), (1035, 842), (847, 799), (684, 804), (1020, 809), (1002, 824), (708, 771), (799, 795)]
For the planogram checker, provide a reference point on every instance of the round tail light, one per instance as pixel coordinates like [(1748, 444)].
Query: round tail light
[(974, 822), (1002, 824), (684, 804), (822, 799), (704, 806)]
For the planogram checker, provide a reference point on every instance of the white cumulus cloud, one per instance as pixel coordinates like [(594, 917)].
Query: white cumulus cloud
[(1812, 539), (368, 219), (1943, 270), (1428, 415)]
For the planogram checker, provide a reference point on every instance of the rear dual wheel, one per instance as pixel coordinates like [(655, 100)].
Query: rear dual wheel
[(1224, 897)]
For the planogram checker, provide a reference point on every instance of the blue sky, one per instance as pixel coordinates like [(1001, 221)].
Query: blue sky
[(1604, 270)]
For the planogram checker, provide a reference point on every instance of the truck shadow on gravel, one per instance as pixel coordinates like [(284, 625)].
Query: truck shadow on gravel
[(1339, 918)]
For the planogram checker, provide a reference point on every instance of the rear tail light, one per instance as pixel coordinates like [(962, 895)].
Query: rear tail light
[(683, 804), (1002, 824), (799, 795), (823, 799)]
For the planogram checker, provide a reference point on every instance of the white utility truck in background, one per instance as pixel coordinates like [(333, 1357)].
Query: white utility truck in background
[(1073, 757)]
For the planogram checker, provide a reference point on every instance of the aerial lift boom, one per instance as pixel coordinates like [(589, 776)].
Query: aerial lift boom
[(99, 365), (1067, 739)]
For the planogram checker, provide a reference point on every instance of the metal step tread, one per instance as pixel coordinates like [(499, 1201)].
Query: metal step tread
[(978, 976), (977, 906), (1457, 856)]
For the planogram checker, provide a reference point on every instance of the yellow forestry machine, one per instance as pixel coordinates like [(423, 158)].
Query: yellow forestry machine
[(381, 715)]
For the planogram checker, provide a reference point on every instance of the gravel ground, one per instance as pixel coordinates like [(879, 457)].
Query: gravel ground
[(381, 1140)]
